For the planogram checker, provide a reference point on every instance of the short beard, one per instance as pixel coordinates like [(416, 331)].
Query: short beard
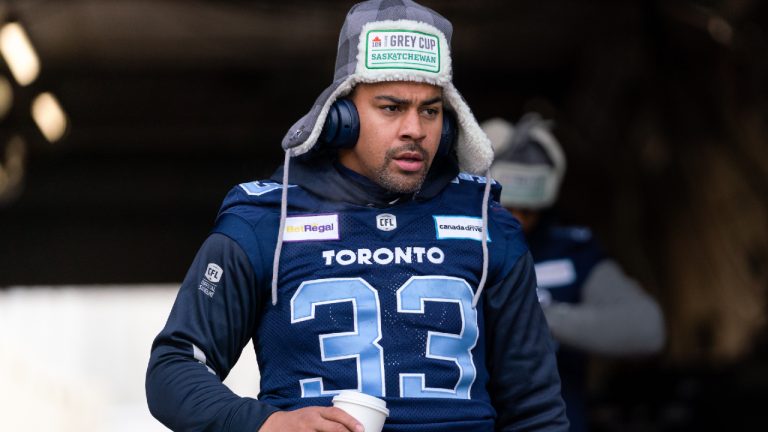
[(398, 182)]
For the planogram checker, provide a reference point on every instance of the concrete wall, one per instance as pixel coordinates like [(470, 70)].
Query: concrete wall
[(74, 358)]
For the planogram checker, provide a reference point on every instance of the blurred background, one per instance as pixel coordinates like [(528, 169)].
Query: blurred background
[(124, 123)]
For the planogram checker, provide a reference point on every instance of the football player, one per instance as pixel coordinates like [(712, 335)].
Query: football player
[(374, 260)]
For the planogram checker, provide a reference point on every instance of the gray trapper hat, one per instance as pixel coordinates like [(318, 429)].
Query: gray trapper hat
[(529, 163), (395, 40)]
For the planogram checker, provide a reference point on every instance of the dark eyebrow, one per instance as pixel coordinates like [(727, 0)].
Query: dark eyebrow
[(399, 101), (393, 99), (434, 100)]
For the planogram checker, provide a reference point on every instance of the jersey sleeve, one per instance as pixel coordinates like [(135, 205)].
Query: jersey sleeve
[(524, 381), (211, 321), (615, 316)]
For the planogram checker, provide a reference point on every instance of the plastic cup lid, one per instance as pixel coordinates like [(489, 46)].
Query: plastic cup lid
[(363, 399)]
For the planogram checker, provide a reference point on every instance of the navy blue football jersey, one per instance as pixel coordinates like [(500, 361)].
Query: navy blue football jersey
[(378, 301), (564, 257), (369, 299)]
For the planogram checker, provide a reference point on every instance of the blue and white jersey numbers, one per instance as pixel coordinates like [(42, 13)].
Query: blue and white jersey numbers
[(363, 345), (456, 348)]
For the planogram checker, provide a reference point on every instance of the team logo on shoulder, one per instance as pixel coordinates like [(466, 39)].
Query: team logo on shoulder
[(386, 222), (471, 178), (212, 276), (311, 228), (459, 227), (257, 188)]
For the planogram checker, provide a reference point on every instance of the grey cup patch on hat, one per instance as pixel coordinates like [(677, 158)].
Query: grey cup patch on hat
[(395, 40)]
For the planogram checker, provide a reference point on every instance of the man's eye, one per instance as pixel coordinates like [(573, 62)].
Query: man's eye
[(390, 108), (431, 112)]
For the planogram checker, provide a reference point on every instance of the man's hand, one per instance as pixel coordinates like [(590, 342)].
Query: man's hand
[(312, 419)]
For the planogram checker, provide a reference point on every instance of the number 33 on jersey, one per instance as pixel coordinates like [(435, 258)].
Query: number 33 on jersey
[(362, 341)]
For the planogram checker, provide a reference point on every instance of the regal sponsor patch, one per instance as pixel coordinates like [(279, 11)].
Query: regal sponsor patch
[(459, 227), (402, 49), (311, 228)]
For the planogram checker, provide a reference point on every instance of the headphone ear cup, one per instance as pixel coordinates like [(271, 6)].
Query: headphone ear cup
[(342, 125), (448, 135)]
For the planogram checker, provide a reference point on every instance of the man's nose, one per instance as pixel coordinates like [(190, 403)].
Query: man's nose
[(411, 127)]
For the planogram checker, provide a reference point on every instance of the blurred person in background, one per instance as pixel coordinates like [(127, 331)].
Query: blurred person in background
[(591, 305)]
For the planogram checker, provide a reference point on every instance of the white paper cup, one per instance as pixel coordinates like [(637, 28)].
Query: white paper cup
[(368, 410)]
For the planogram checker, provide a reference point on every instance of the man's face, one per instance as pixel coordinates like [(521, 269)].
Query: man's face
[(400, 125)]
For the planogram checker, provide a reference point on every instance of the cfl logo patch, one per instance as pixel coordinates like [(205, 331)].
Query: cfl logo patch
[(386, 222), (213, 273)]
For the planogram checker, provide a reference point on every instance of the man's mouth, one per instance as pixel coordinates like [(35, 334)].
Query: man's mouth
[(409, 161)]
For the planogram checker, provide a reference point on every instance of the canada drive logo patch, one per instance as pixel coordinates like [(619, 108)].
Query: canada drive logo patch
[(459, 227)]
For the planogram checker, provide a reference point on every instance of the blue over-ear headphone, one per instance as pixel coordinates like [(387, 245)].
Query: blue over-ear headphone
[(342, 128)]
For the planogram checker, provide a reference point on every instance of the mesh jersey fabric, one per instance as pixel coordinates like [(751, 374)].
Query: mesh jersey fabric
[(290, 349)]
